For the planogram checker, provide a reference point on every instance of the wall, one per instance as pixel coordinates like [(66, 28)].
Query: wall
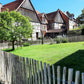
[(34, 22), (56, 25), (36, 28), (29, 13), (71, 24)]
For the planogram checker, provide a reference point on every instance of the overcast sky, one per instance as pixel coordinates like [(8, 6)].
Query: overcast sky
[(73, 6)]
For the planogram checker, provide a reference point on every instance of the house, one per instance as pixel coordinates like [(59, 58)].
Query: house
[(72, 21), (26, 8), (44, 25), (56, 23)]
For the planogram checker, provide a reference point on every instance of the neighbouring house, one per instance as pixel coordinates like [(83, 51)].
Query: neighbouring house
[(26, 8), (56, 23), (72, 21), (44, 25)]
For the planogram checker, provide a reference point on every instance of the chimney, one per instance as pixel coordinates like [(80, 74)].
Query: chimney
[(0, 7)]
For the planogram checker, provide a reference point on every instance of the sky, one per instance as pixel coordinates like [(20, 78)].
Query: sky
[(47, 6)]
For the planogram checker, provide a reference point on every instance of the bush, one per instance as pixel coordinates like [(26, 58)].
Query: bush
[(61, 40), (26, 44), (65, 40), (58, 40), (82, 26)]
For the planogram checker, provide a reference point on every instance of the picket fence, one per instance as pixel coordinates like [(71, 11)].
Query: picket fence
[(20, 70)]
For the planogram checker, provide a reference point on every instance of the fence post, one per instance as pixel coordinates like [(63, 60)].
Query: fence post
[(82, 78), (70, 76), (27, 64), (58, 75), (41, 72), (35, 73), (20, 67), (30, 74), (77, 77), (64, 76), (38, 72), (22, 76), (53, 74), (49, 74), (24, 69), (45, 74)]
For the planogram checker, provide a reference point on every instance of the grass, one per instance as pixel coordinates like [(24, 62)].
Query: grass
[(70, 55)]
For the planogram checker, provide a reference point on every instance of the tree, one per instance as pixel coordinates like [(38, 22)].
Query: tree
[(80, 18), (14, 26)]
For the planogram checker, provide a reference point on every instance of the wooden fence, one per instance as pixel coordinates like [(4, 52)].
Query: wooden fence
[(20, 70)]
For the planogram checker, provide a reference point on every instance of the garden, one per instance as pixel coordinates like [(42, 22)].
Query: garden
[(70, 55)]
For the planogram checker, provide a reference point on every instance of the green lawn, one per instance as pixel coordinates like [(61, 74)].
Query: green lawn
[(68, 54)]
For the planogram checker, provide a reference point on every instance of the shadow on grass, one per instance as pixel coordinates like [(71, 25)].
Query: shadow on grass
[(75, 61), (8, 50)]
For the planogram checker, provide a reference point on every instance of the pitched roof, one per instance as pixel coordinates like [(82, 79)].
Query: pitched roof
[(12, 6), (52, 15), (37, 12), (15, 5), (65, 18)]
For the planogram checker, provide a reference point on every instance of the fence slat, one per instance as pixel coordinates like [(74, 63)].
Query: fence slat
[(27, 63), (22, 77), (53, 70), (70, 76), (45, 74), (77, 77), (49, 74), (64, 76), (24, 69), (38, 72), (35, 73), (82, 78), (30, 73), (58, 75), (41, 72)]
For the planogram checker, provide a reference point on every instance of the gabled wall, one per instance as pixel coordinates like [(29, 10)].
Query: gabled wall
[(58, 18), (27, 10), (27, 5)]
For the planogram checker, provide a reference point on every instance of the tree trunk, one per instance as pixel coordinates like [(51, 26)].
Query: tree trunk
[(42, 37), (13, 47)]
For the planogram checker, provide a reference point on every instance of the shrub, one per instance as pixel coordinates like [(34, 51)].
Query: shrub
[(58, 40), (61, 40), (26, 44), (65, 40), (82, 26)]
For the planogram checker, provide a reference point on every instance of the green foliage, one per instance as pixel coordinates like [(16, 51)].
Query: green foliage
[(82, 26), (58, 40), (65, 40), (81, 18), (77, 28), (26, 44), (40, 38), (61, 40), (14, 26)]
